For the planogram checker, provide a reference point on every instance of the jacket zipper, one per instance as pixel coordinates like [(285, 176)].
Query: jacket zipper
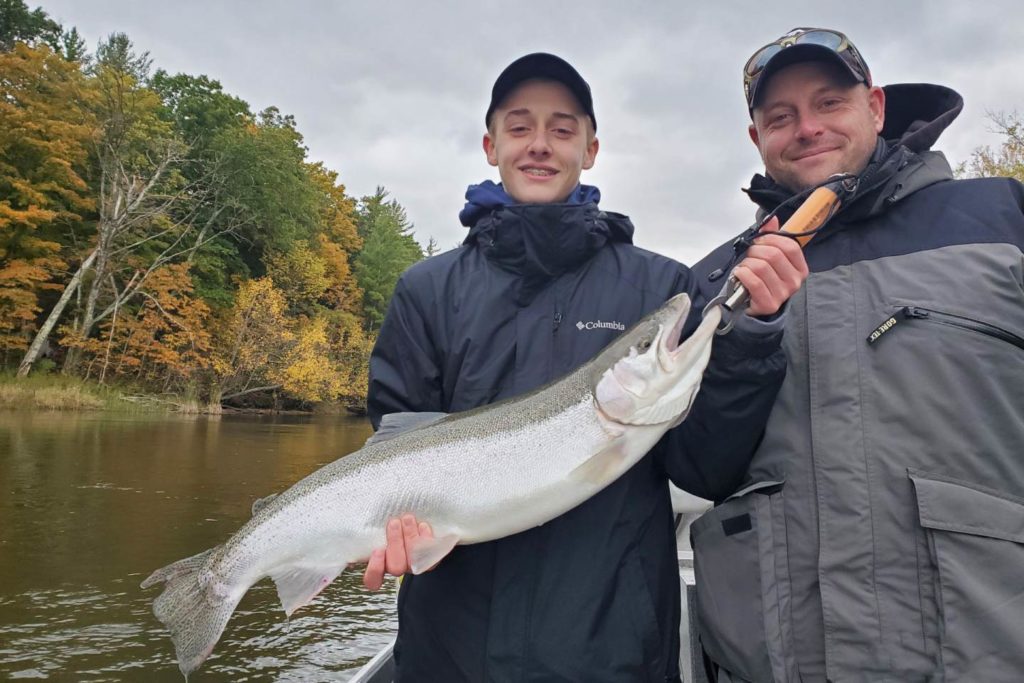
[(556, 321), (950, 319)]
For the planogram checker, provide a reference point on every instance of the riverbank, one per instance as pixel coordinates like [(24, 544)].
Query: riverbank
[(55, 392)]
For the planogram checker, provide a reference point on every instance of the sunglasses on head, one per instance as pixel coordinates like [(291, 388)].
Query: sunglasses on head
[(827, 38)]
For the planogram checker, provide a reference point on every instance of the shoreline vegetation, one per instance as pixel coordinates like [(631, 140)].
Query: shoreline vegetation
[(170, 246), (60, 394)]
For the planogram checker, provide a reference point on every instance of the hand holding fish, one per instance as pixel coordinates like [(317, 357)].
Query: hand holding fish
[(773, 270), (402, 534)]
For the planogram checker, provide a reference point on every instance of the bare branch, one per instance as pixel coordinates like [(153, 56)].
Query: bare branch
[(250, 391)]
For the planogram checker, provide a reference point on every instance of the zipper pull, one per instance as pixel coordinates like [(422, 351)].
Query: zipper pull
[(914, 312), (901, 314), (558, 319)]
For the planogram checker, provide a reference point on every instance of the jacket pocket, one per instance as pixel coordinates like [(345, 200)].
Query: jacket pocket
[(975, 538), (740, 566), (647, 636), (902, 314)]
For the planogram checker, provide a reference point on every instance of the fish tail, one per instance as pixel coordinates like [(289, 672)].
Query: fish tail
[(195, 606)]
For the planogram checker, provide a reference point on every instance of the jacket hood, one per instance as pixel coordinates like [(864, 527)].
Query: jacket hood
[(917, 113), (540, 242)]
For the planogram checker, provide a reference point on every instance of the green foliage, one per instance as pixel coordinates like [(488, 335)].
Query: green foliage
[(265, 186), (32, 27), (210, 122), (71, 46), (117, 54), (388, 249), (216, 270), (199, 107)]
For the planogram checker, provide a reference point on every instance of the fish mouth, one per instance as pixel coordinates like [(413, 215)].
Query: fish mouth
[(672, 339)]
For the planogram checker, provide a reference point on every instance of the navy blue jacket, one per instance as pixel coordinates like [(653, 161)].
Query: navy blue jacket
[(535, 291)]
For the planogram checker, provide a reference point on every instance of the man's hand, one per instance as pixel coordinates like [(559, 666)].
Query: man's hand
[(773, 270), (394, 559)]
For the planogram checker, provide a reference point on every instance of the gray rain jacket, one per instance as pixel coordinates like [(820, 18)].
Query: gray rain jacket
[(881, 533)]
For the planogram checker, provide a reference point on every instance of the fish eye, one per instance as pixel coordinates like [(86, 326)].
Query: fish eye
[(645, 344)]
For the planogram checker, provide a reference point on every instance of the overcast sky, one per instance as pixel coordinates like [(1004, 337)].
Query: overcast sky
[(394, 93)]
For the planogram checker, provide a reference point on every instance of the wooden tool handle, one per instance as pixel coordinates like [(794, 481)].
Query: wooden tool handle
[(812, 214)]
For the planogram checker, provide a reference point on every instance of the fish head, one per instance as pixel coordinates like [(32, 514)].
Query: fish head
[(649, 375)]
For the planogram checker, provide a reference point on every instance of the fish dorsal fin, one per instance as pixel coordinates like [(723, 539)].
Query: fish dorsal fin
[(393, 424), (261, 503)]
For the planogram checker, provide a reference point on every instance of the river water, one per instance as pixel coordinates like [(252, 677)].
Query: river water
[(90, 504)]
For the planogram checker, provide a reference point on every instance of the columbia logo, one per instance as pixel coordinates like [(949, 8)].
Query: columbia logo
[(600, 325)]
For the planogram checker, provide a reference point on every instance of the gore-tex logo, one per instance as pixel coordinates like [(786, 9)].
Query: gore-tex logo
[(599, 325)]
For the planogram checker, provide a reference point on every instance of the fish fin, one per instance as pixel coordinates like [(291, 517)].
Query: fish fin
[(193, 607), (600, 468), (297, 586), (261, 503), (393, 424), (426, 552)]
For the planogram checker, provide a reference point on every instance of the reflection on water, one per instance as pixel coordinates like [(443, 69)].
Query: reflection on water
[(92, 504)]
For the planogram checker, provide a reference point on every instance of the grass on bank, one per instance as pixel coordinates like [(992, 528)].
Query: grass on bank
[(56, 392)]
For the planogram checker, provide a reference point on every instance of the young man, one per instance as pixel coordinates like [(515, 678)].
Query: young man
[(886, 500), (544, 280)]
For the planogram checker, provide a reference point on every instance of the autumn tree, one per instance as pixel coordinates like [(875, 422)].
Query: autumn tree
[(1007, 160), (337, 240), (300, 273), (252, 338), (45, 133), (161, 339), (148, 212)]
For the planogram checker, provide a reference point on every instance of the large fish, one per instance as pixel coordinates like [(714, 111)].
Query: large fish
[(475, 476)]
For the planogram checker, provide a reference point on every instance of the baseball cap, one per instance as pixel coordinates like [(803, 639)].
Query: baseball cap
[(546, 66)]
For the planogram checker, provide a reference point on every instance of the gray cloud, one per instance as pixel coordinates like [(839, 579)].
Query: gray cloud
[(393, 93)]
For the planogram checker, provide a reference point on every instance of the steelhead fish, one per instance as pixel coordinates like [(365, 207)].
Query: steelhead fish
[(475, 476)]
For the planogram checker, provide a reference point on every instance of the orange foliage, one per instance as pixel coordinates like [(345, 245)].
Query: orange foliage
[(163, 337), (338, 240), (45, 129)]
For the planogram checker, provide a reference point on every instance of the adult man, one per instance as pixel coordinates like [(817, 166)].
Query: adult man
[(544, 280), (881, 537)]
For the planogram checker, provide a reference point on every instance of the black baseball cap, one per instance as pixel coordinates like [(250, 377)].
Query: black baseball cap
[(546, 66)]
